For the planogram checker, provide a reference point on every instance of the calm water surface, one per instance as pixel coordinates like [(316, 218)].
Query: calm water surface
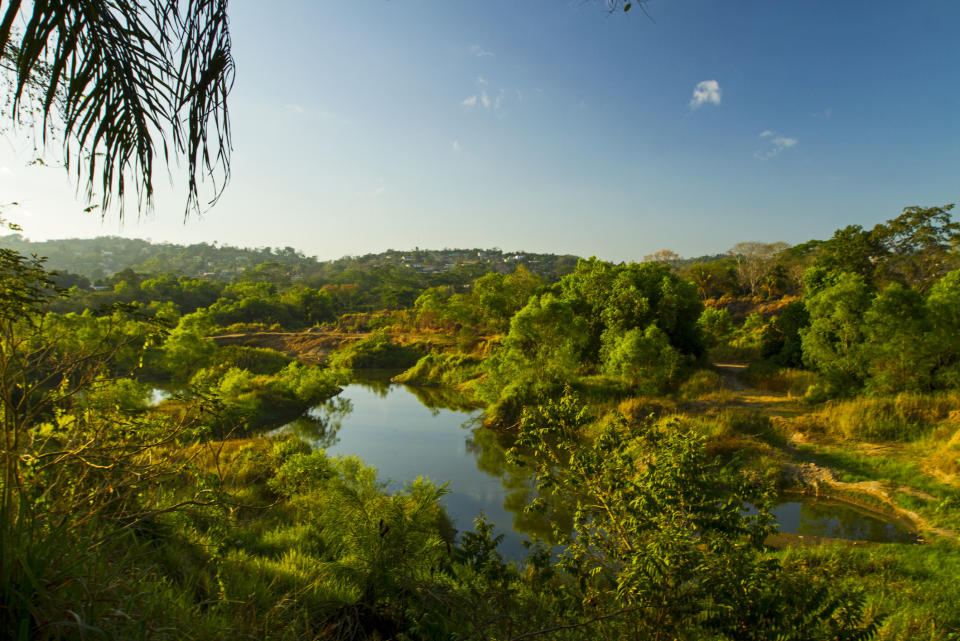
[(406, 432)]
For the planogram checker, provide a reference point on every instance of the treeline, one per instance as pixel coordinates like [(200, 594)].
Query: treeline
[(878, 311), (95, 260)]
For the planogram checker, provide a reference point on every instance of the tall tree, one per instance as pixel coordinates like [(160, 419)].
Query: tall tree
[(754, 261)]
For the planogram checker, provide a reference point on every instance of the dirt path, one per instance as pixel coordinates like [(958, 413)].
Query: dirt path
[(824, 480), (309, 346)]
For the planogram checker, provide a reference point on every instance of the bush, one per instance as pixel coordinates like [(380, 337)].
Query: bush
[(701, 382), (448, 370), (258, 360), (376, 351), (770, 378)]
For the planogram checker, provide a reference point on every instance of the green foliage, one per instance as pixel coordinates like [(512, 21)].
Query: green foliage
[(781, 343), (449, 370), (767, 376), (896, 336), (376, 351), (645, 358), (716, 325), (833, 342), (255, 359), (700, 383), (658, 551), (186, 349)]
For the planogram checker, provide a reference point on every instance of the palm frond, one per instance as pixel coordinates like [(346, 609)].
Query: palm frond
[(126, 82)]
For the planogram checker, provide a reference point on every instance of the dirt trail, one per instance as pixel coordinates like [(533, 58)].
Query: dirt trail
[(823, 479), (732, 375), (308, 346)]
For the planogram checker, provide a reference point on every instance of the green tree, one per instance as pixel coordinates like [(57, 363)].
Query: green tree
[(897, 346), (645, 358), (833, 342), (781, 341), (920, 244), (716, 325), (943, 308), (662, 545)]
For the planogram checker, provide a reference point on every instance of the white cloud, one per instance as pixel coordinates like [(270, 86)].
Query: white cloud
[(484, 100), (706, 91), (455, 145), (379, 189), (481, 80), (777, 144), (480, 52)]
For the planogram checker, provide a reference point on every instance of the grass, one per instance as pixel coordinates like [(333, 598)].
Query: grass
[(906, 481), (913, 586), (783, 380), (904, 418)]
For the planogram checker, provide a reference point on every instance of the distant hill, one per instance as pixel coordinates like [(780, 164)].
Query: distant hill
[(101, 257)]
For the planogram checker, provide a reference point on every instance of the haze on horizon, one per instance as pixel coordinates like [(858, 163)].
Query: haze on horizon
[(559, 129)]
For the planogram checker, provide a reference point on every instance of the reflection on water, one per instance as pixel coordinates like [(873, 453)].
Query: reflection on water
[(321, 424), (159, 395), (834, 520), (408, 432)]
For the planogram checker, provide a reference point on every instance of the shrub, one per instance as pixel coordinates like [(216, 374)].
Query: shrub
[(441, 369), (701, 382), (770, 378), (374, 352)]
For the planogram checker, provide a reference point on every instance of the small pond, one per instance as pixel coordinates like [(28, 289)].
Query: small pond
[(406, 432), (836, 520)]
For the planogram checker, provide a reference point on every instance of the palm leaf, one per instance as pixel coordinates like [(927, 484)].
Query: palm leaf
[(126, 82)]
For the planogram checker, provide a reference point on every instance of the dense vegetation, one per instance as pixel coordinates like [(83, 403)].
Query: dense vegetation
[(123, 518)]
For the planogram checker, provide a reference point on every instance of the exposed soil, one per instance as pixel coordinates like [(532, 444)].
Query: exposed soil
[(310, 346), (820, 479)]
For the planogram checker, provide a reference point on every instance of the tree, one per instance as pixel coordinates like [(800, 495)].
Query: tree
[(851, 250), (919, 245), (833, 342), (898, 345), (125, 82), (662, 546), (754, 261)]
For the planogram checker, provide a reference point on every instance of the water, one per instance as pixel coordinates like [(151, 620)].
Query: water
[(158, 395), (834, 520), (406, 432)]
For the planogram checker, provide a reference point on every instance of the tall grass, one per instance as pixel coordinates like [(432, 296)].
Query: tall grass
[(902, 418), (784, 380)]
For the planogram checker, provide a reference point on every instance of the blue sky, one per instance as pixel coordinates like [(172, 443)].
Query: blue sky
[(553, 126)]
